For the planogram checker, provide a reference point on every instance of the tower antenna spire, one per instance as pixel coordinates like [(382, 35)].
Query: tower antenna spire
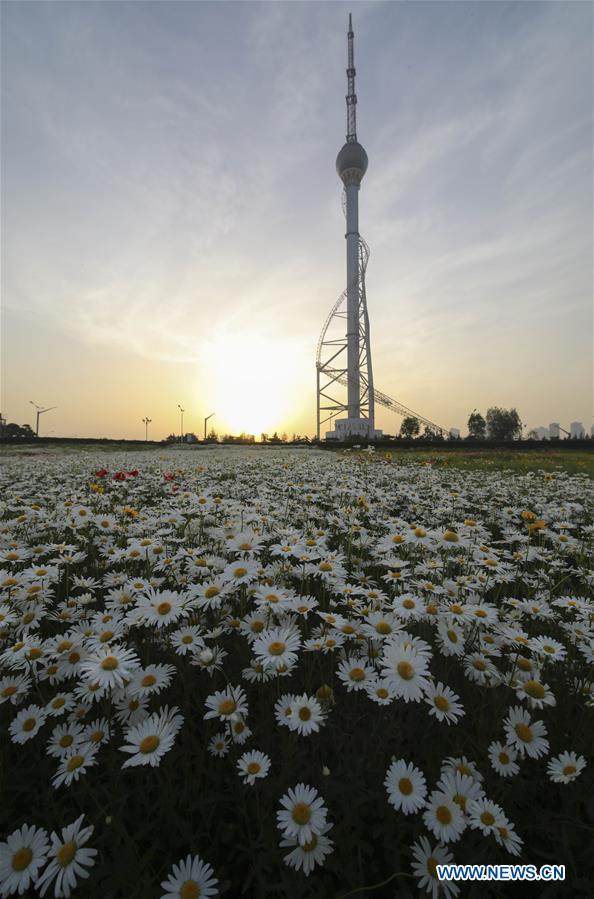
[(351, 98)]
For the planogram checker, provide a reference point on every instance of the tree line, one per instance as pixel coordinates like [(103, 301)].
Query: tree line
[(497, 424)]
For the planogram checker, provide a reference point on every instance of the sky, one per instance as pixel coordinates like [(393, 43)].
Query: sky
[(172, 231)]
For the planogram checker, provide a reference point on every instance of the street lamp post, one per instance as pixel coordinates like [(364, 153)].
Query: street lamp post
[(181, 439), (40, 411), (147, 422), (205, 420)]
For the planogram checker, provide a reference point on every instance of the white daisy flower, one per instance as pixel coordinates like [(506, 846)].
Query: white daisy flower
[(191, 878), (186, 639), (309, 854), (503, 759), (508, 838), (277, 647), (424, 867), (306, 715), (485, 815), (303, 813), (240, 732), (151, 680), (380, 690), (74, 764), (21, 857), (253, 765), (406, 787), (444, 703), (219, 745), (536, 694), (406, 670), (565, 767), (110, 666), (69, 860), (13, 689), (159, 608), (148, 742), (444, 817), (27, 724), (528, 737), (461, 788), (226, 704), (65, 738), (355, 674)]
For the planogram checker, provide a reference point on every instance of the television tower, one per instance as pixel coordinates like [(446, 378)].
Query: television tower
[(357, 376)]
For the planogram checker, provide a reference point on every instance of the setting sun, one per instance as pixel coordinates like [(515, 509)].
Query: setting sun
[(252, 382)]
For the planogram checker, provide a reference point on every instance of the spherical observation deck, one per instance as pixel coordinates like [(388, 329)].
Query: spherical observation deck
[(351, 162)]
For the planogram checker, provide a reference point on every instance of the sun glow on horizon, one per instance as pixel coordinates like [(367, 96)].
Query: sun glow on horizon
[(254, 382)]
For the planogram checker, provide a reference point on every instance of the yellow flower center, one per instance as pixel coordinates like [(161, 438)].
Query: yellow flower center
[(109, 663), (227, 707), (569, 769), (58, 702), (97, 736), (240, 572), (277, 648), (408, 604), (535, 689), (29, 724), (479, 665), (66, 741), (211, 591), (357, 674), (382, 693), (504, 758), (311, 844), (304, 713), (66, 853), (325, 566), (164, 608), (187, 638), (106, 636), (149, 744), (451, 537), (75, 762), (487, 818), (443, 814), (301, 813), (524, 733), (432, 867), (189, 890), (397, 538), (405, 786), (441, 703), (420, 532), (148, 680), (382, 627), (405, 670), (21, 859), (8, 691), (35, 653), (254, 768)]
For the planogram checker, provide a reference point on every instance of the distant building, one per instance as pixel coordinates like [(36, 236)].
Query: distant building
[(576, 429), (554, 430), (455, 433), (542, 433)]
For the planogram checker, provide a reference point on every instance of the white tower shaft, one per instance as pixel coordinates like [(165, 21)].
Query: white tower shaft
[(352, 260)]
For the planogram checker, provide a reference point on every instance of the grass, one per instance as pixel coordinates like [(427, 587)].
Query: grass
[(516, 461)]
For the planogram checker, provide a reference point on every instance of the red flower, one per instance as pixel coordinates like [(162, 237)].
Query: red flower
[(133, 473), (169, 477), (119, 476), (101, 472)]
